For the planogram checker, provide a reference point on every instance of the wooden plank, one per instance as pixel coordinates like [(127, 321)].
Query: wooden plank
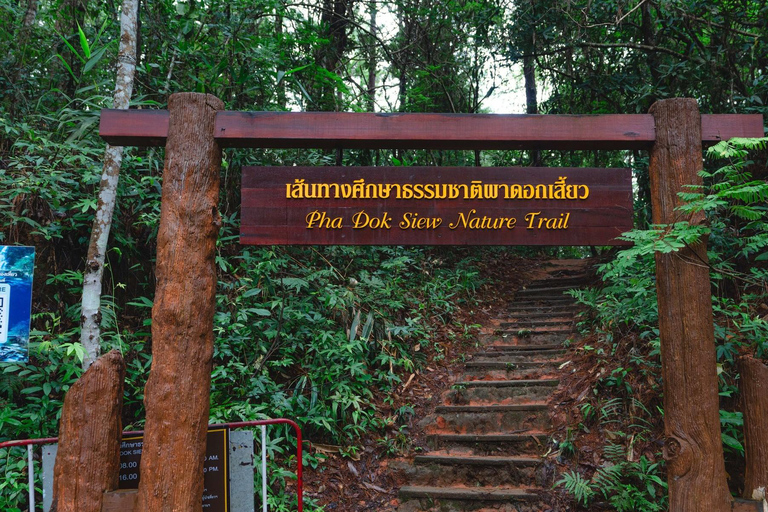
[(717, 127), (269, 216), (423, 131), (134, 127)]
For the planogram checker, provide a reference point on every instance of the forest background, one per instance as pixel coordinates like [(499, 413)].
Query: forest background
[(321, 334)]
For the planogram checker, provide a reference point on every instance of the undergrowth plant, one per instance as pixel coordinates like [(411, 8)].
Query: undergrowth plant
[(622, 319), (624, 485)]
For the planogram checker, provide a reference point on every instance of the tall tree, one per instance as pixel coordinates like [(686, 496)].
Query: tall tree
[(90, 335)]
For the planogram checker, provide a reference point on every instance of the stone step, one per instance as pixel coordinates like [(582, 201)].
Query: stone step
[(526, 356), (577, 281), (552, 383), (544, 287), (527, 340), (490, 374), (558, 308), (520, 356), (527, 335), (486, 419), (489, 444), (500, 392), (566, 316), (530, 331), (533, 406), (528, 322), (543, 309), (542, 300), (511, 366), (534, 325), (503, 343), (472, 471), (524, 349), (454, 499)]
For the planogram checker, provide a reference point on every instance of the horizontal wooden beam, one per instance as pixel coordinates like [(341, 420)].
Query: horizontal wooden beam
[(420, 131), (433, 131), (134, 127)]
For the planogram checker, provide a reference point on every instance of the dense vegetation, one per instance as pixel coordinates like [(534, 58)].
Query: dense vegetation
[(312, 333), (618, 392)]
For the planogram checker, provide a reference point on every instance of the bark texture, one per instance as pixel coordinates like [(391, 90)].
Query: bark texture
[(177, 392), (90, 335), (693, 448), (754, 405), (529, 76), (30, 14), (88, 459)]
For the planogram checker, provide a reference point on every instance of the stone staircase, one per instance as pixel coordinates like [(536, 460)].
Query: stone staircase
[(487, 437)]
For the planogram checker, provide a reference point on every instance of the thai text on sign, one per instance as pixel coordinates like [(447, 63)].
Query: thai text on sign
[(476, 189), (435, 206)]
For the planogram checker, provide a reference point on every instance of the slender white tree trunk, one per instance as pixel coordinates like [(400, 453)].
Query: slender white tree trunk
[(31, 14), (90, 335)]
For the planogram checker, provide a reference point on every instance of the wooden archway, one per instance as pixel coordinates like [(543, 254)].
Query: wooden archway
[(194, 130)]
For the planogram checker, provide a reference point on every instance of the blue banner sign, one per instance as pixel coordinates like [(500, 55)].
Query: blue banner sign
[(17, 265)]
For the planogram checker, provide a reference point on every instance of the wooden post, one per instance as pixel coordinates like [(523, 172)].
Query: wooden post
[(88, 457), (753, 385), (693, 448), (178, 390)]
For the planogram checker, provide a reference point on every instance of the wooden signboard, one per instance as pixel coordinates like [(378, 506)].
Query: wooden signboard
[(435, 206)]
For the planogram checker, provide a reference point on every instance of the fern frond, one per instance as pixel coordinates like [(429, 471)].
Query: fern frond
[(578, 486), (614, 452)]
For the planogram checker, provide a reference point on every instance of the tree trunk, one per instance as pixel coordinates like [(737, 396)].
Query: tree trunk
[(30, 14), (649, 39), (693, 448), (281, 96), (372, 60), (754, 405), (370, 156), (88, 458), (335, 19), (177, 393), (531, 102), (90, 333)]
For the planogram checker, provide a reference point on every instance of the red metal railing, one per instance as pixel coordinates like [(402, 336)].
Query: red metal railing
[(29, 443)]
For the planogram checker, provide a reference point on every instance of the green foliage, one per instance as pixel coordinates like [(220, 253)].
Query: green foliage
[(14, 485), (731, 433), (736, 231), (294, 340), (624, 317), (628, 486), (578, 486)]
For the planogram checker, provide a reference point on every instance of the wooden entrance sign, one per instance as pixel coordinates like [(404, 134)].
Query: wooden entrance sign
[(674, 133), (434, 206)]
